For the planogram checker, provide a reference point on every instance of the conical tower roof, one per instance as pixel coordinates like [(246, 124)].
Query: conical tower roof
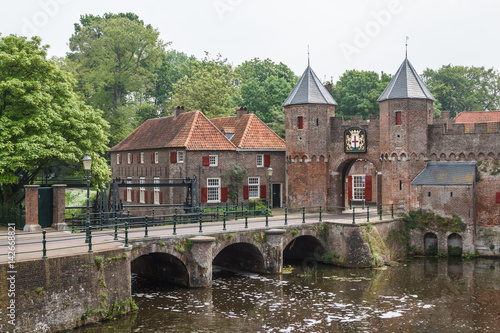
[(406, 84), (309, 90)]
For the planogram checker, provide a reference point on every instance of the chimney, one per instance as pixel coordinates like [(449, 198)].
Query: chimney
[(177, 111), (240, 111)]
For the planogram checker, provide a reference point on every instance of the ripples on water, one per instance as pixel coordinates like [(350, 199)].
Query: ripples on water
[(424, 295)]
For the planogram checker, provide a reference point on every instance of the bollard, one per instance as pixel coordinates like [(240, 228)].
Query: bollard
[(224, 220), (44, 246), (175, 222), (367, 213), (101, 223), (392, 211), (353, 215), (126, 234), (286, 215), (72, 223), (201, 221), (320, 218), (153, 223), (303, 214), (246, 219), (217, 213), (146, 228), (116, 229), (380, 212), (128, 216), (90, 239)]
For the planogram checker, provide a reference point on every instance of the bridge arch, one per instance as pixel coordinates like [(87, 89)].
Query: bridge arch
[(161, 267), (242, 256), (306, 248)]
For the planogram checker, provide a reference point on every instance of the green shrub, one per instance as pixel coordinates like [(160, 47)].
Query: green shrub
[(454, 251)]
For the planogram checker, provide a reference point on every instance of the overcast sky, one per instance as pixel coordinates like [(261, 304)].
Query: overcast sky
[(342, 35)]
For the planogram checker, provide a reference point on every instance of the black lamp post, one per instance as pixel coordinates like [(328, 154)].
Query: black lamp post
[(87, 163), (269, 174)]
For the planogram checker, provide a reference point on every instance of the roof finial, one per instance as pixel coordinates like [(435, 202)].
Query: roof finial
[(406, 52), (308, 61)]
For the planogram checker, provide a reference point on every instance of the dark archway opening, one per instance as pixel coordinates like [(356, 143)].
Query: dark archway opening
[(304, 250), (160, 269), (430, 244), (455, 245), (241, 256)]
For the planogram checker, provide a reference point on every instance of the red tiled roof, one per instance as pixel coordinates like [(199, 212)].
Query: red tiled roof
[(191, 130), (251, 132), (477, 117)]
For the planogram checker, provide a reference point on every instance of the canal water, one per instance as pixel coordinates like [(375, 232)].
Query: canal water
[(418, 295)]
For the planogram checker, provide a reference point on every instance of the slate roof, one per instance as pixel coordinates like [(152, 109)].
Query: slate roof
[(477, 117), (250, 133), (406, 84), (447, 173), (309, 90), (191, 130)]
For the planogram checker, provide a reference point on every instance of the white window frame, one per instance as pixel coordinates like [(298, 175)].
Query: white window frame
[(358, 187), (213, 190), (129, 190), (213, 160), (180, 157), (129, 158), (142, 190), (156, 157), (117, 158), (156, 196), (253, 187), (142, 157), (260, 160)]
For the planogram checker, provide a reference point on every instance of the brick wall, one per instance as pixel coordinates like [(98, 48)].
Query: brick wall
[(488, 210)]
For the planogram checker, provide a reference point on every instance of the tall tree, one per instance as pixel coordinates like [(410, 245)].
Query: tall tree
[(462, 88), (113, 57), (356, 92), (42, 122), (264, 87), (210, 88)]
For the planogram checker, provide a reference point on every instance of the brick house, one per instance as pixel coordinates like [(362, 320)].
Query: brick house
[(187, 144)]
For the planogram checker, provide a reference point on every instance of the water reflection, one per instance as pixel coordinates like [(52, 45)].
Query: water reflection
[(424, 295)]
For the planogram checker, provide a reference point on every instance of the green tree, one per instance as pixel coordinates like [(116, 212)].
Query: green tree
[(234, 178), (42, 121), (462, 88), (210, 87), (356, 92), (264, 87), (113, 58)]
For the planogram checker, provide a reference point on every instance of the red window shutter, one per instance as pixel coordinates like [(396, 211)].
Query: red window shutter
[(145, 196), (267, 160), (125, 195), (120, 159), (498, 197), (245, 192), (132, 195), (139, 158), (152, 157), (204, 194), (206, 160), (161, 197), (152, 197), (301, 122), (223, 194), (398, 118), (173, 157), (368, 188), (263, 192), (138, 196), (349, 187)]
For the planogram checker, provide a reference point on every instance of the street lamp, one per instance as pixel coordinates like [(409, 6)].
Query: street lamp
[(87, 163), (269, 174)]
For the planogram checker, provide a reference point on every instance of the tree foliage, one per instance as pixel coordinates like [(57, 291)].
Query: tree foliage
[(42, 122), (462, 88), (264, 87), (209, 87), (234, 178), (113, 57), (356, 92)]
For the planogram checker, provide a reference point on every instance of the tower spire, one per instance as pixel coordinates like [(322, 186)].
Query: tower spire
[(406, 47)]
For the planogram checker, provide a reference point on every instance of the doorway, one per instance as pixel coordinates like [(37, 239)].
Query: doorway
[(276, 203)]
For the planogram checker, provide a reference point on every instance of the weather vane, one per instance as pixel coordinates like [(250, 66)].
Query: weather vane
[(406, 52), (308, 61)]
